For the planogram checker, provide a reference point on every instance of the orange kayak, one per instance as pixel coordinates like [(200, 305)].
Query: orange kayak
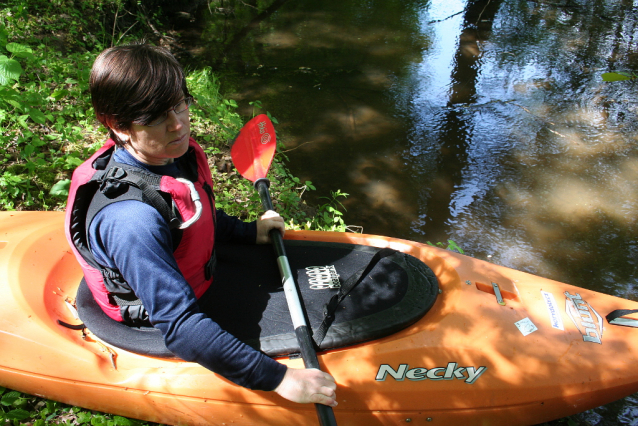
[(498, 347)]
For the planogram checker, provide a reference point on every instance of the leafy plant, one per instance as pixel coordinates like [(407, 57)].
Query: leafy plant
[(17, 408), (212, 116), (258, 105), (329, 216), (46, 120), (451, 245), (255, 104), (10, 69), (11, 404)]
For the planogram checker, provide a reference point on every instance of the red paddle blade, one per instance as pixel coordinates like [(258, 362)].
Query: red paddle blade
[(254, 148)]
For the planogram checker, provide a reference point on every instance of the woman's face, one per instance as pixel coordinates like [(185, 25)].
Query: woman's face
[(158, 145)]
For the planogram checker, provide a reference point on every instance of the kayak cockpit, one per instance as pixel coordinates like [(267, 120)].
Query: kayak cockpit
[(246, 299)]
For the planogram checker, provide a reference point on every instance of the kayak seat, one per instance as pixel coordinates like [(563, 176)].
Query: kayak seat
[(141, 340), (247, 298)]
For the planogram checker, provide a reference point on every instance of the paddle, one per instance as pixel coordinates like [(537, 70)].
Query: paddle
[(252, 153)]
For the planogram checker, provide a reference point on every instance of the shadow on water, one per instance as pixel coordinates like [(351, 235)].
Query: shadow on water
[(486, 122)]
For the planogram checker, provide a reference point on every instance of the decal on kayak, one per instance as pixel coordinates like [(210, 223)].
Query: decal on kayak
[(322, 277), (554, 313), (526, 326), (585, 317), (451, 372)]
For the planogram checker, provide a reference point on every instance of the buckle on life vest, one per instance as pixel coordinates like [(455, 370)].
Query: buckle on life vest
[(115, 173), (196, 201), (111, 181)]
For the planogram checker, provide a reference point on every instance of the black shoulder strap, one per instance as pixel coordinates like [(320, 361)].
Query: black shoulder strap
[(614, 317), (116, 178), (354, 280)]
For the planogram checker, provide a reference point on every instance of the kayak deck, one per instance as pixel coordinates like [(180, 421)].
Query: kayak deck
[(381, 292), (465, 362)]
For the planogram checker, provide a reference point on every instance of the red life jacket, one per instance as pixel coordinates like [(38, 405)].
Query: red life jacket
[(100, 181)]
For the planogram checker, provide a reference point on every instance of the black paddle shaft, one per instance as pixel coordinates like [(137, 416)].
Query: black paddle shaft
[(308, 353)]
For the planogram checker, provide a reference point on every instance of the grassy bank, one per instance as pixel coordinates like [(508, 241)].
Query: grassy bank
[(47, 125), (47, 128)]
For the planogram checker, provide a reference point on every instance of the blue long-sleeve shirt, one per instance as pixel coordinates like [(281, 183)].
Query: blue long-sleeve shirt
[(134, 238)]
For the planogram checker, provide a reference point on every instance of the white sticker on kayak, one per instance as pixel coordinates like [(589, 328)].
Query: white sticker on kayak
[(452, 371), (526, 326), (554, 312), (323, 277)]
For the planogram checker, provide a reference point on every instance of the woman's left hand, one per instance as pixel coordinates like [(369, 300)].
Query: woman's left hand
[(269, 220)]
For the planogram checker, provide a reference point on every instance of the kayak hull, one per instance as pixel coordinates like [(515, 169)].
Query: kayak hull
[(171, 409), (465, 362)]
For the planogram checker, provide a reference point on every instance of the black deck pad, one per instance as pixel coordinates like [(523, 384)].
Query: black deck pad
[(247, 298)]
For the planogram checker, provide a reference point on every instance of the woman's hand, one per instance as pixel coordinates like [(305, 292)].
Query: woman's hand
[(269, 220), (308, 386)]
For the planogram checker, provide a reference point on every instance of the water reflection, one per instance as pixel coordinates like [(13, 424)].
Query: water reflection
[(483, 122)]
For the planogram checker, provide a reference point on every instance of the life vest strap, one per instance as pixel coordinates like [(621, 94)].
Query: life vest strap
[(112, 179)]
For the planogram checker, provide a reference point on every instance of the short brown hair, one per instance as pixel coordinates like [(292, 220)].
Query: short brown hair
[(135, 82)]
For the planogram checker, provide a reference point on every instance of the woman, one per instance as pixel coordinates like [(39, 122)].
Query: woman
[(140, 266)]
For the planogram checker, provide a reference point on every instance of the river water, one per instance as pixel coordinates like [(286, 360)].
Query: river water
[(483, 122)]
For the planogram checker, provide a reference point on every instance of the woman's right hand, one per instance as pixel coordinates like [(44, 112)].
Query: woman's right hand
[(268, 221), (308, 385)]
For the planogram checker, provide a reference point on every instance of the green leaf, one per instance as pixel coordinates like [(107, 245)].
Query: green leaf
[(59, 94), (20, 50), (84, 417), (273, 119), (123, 421), (10, 70), (52, 405), (72, 162), (454, 247), (98, 420), (15, 104), (18, 414), (61, 189), (37, 116), (11, 397), (617, 76), (27, 151), (4, 35)]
